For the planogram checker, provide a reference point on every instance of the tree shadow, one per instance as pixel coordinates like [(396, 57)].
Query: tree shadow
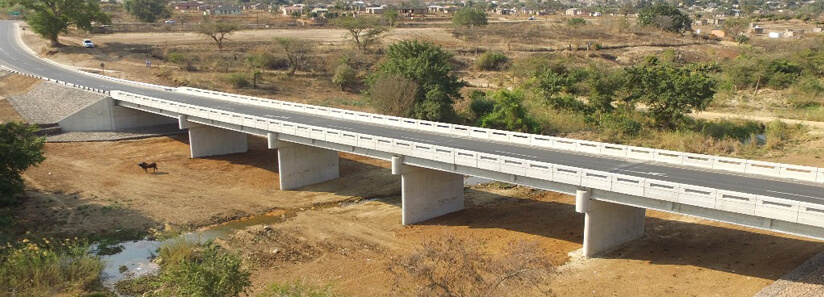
[(62, 215)]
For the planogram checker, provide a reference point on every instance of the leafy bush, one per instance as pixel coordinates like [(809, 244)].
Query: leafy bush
[(491, 61), (664, 16), (238, 80), (20, 149), (344, 76), (576, 22), (619, 125), (508, 113), (211, 272), (48, 267), (428, 66), (469, 17)]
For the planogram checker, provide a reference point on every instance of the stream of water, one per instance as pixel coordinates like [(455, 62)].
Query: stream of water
[(136, 256)]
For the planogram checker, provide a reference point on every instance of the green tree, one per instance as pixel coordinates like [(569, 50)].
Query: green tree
[(669, 92), (217, 31), (147, 10), (20, 149), (665, 17), (50, 18), (391, 15), (256, 62), (428, 66), (735, 27), (297, 51), (508, 113), (469, 17), (362, 30)]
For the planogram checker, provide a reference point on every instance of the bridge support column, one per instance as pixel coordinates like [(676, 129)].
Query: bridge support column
[(302, 165), (608, 224), (427, 193), (207, 141)]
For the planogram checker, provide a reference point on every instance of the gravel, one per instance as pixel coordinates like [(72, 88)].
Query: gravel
[(49, 103), (137, 133), (805, 280)]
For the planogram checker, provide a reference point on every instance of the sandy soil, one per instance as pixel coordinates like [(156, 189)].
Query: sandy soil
[(97, 188)]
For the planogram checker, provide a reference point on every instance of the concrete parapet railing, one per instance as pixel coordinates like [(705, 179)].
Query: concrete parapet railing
[(55, 81), (131, 82), (797, 172), (736, 202)]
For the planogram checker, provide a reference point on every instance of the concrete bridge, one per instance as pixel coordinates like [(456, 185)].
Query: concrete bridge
[(613, 184)]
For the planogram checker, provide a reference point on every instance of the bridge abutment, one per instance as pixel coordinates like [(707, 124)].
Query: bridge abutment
[(207, 141), (606, 224), (301, 165), (427, 193)]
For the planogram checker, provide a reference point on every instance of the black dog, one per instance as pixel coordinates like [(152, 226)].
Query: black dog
[(146, 166)]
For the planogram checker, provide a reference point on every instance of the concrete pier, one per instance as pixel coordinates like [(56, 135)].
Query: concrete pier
[(608, 225), (427, 193), (301, 165), (207, 141)]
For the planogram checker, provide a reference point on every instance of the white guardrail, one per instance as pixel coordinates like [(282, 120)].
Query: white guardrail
[(757, 205), (131, 82), (55, 81), (804, 173)]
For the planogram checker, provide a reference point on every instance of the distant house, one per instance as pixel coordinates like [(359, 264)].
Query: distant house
[(506, 11), (757, 30), (289, 10), (572, 11), (412, 10), (775, 35), (189, 6), (224, 10), (718, 33), (817, 30), (320, 11), (719, 22), (797, 33), (701, 22), (376, 10), (252, 6)]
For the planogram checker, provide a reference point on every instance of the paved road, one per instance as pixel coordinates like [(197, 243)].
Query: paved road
[(12, 55)]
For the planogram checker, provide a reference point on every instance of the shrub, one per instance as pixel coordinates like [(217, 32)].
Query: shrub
[(48, 267), (20, 149), (344, 76), (239, 81), (428, 66), (296, 289), (393, 95), (508, 113), (210, 272), (576, 22), (491, 61), (452, 266), (619, 125)]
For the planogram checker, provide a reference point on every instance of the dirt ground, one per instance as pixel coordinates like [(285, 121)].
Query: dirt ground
[(97, 187)]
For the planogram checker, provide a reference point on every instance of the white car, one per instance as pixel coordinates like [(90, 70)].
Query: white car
[(170, 21), (87, 43)]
